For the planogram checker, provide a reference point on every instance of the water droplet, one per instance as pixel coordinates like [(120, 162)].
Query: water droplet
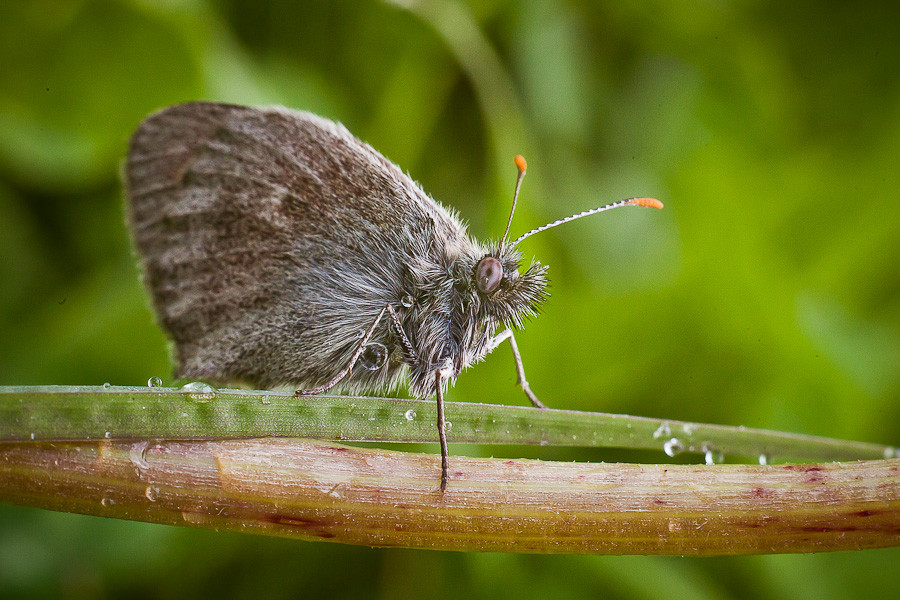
[(199, 391), (152, 493), (407, 301), (410, 415), (374, 356), (107, 435), (448, 426), (136, 454), (890, 452), (107, 385), (763, 459), (107, 502), (154, 382), (663, 431), (689, 428), (198, 387), (360, 334), (711, 456), (673, 447), (32, 435)]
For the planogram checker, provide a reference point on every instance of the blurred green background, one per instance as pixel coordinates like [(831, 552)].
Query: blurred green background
[(767, 293)]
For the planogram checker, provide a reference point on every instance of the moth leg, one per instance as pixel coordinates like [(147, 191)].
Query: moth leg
[(399, 327), (501, 337), (346, 370), (442, 433)]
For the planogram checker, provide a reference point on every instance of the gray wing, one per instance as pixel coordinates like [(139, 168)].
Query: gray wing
[(269, 238)]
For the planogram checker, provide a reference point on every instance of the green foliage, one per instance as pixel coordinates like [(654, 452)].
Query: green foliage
[(765, 294)]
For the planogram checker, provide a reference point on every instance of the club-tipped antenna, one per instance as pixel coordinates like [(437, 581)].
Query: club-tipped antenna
[(650, 202), (522, 166)]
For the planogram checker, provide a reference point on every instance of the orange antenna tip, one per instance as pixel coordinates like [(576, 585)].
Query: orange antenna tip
[(520, 163), (648, 202)]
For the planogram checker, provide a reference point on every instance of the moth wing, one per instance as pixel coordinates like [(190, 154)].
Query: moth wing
[(269, 239)]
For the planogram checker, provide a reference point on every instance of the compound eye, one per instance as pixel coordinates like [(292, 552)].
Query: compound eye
[(488, 274)]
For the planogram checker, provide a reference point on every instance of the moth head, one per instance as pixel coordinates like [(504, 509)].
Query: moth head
[(507, 294)]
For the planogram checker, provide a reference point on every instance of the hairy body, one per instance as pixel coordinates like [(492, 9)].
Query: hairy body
[(273, 241)]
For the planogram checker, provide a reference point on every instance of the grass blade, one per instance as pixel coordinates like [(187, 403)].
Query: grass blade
[(90, 413)]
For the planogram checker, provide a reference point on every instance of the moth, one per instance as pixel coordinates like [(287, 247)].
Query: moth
[(281, 250)]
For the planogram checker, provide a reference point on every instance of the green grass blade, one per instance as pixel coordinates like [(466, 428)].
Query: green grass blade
[(90, 413)]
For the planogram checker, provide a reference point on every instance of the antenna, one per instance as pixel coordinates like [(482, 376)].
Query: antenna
[(522, 166), (649, 202)]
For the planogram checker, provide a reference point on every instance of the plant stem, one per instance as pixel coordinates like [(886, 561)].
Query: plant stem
[(91, 455), (316, 490)]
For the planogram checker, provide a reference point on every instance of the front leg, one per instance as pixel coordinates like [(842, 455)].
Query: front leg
[(498, 339), (349, 368)]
